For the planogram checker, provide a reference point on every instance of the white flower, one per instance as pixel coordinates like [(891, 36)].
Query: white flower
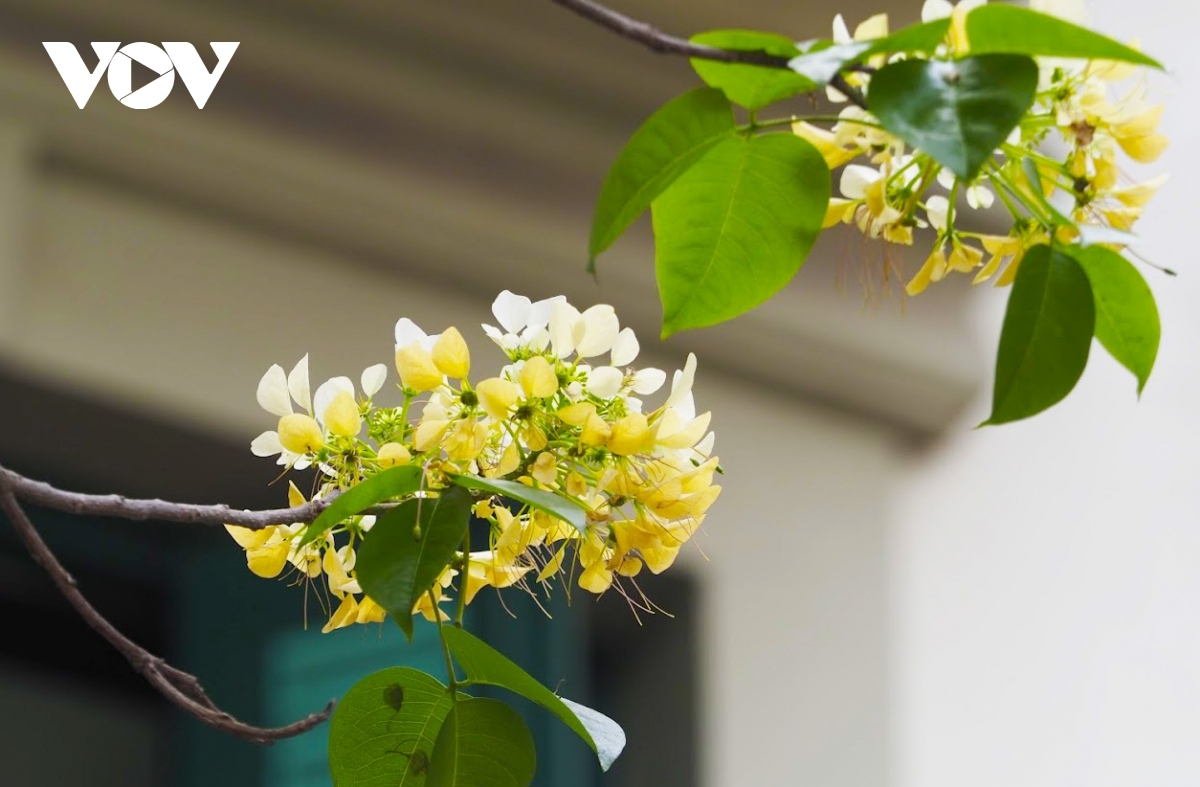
[(625, 348), (600, 331), (605, 382), (648, 381), (937, 208), (373, 378), (681, 384), (275, 394), (522, 320), (940, 9), (325, 394), (408, 332), (978, 195)]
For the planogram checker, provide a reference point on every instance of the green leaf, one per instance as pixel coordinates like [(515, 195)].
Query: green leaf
[(483, 743), (555, 505), (1046, 335), (1007, 28), (395, 567), (1126, 315), (958, 112), (736, 227), (484, 664), (674, 138), (752, 87), (922, 37), (373, 742), (391, 483), (822, 63)]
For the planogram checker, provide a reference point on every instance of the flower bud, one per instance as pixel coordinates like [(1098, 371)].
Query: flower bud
[(545, 469), (342, 416), (596, 430), (300, 434), (416, 368), (538, 378), (451, 355), (629, 435), (392, 455), (497, 397)]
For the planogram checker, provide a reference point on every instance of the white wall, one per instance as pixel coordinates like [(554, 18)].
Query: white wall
[(1047, 574)]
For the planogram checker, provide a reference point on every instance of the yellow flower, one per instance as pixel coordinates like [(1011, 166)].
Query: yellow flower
[(487, 569), (933, 270), (545, 469), (369, 611), (465, 440), (342, 416), (826, 143), (451, 355), (629, 435), (300, 434), (345, 615), (393, 454), (538, 378), (417, 369), (497, 396), (596, 431), (963, 258)]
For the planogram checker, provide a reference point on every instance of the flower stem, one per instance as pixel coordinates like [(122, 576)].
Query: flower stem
[(437, 614), (462, 585)]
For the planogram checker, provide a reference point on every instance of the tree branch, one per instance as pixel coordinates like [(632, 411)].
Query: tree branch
[(181, 688), (663, 43), (46, 496)]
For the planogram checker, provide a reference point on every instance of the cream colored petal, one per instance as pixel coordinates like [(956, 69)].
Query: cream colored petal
[(408, 332), (273, 392), (601, 327), (681, 385), (625, 348), (648, 381), (565, 327), (326, 393), (841, 33), (540, 311), (605, 382), (298, 384), (512, 311), (855, 180), (266, 444), (373, 378), (936, 9), (938, 208)]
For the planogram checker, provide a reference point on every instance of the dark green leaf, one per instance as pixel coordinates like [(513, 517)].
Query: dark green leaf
[(1126, 315), (391, 483), (483, 743), (1007, 28), (482, 663), (958, 112), (395, 567), (552, 504), (1046, 335), (372, 742), (922, 37), (752, 87), (736, 227), (821, 64), (673, 139)]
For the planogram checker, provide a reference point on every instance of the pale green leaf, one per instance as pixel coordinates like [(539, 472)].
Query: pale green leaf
[(752, 87), (483, 743), (996, 27)]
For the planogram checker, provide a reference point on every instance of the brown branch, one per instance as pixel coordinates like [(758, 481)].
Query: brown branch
[(46, 496), (666, 44), (181, 688)]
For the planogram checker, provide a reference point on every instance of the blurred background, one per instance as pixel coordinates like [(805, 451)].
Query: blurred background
[(883, 596)]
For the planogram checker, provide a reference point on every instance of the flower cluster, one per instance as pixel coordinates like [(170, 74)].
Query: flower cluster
[(565, 414), (1071, 134)]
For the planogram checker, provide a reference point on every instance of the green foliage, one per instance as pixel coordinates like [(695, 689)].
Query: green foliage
[(736, 227), (1006, 28), (483, 664), (1126, 316), (391, 483), (483, 743), (673, 139), (552, 504), (1046, 335), (373, 742), (397, 562), (923, 37), (958, 112), (752, 87)]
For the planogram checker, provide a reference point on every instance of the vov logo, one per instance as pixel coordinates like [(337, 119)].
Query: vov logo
[(171, 58)]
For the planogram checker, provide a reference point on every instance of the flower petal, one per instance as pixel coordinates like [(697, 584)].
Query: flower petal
[(408, 332), (855, 179), (328, 390), (601, 329), (648, 381), (266, 444), (298, 384), (681, 384), (273, 392), (605, 382), (936, 9), (565, 325), (373, 378), (540, 311), (512, 311), (625, 348), (937, 208)]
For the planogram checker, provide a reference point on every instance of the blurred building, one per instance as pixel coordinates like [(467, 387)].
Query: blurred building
[(882, 596)]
